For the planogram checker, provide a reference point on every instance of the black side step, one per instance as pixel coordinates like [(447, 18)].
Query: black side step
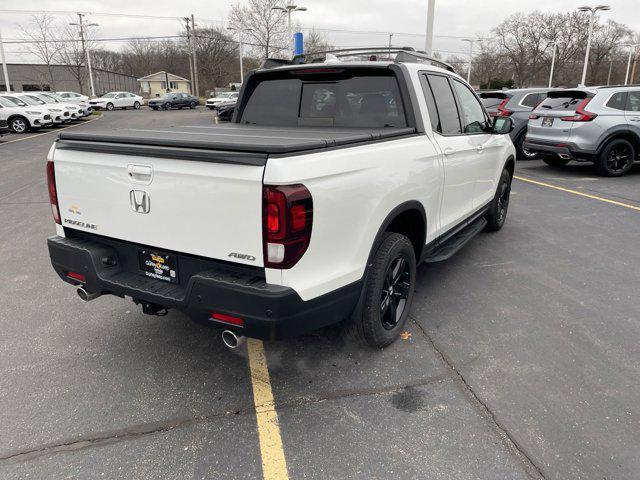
[(447, 249)]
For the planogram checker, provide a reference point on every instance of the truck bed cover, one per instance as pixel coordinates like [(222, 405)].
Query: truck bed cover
[(231, 143)]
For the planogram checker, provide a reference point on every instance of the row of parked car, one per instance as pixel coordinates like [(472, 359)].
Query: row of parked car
[(600, 125), (29, 111)]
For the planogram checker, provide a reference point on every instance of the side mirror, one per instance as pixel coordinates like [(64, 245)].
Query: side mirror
[(502, 125)]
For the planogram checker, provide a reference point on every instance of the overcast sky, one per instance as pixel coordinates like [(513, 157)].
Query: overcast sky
[(337, 19)]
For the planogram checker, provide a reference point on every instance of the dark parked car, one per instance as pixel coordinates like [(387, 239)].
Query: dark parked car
[(173, 100), (225, 113), (516, 104)]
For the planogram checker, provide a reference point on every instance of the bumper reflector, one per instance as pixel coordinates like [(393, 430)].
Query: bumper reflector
[(76, 276), (228, 319)]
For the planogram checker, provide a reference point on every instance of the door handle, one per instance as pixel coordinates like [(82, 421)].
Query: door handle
[(635, 119), (448, 151), (140, 173)]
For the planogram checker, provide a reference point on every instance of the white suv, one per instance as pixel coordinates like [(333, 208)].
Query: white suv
[(315, 206), (22, 119)]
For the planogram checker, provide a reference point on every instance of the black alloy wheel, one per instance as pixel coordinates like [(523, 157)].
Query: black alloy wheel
[(395, 292)]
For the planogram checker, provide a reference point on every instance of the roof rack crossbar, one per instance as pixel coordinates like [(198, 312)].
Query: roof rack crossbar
[(402, 55)]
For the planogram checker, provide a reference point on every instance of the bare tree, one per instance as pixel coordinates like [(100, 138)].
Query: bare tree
[(316, 42), (42, 42), (268, 26), (73, 56)]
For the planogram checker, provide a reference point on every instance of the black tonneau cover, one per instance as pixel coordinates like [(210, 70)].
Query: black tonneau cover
[(230, 143)]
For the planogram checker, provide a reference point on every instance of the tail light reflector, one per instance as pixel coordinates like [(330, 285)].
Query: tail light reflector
[(287, 219), (581, 115), (53, 194), (76, 276), (228, 319)]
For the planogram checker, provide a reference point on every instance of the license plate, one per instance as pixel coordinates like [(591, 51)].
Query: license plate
[(161, 266), (547, 121)]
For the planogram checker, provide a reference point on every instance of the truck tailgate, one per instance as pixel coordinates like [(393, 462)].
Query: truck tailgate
[(210, 206)]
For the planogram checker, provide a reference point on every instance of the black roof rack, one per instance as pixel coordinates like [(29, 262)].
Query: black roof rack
[(402, 55)]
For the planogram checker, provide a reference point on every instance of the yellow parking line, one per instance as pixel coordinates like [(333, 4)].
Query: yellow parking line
[(274, 465), (582, 194), (50, 131)]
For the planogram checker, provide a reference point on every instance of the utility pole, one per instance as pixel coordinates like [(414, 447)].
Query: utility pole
[(85, 50), (428, 44), (7, 85), (610, 68), (632, 49), (195, 56), (190, 47)]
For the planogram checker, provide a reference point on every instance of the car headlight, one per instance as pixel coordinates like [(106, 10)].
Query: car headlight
[(30, 112)]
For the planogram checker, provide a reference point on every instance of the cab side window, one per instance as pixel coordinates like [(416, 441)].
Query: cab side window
[(474, 119), (617, 101), (443, 110)]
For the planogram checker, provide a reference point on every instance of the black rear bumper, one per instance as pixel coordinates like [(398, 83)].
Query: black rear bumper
[(564, 150), (206, 286)]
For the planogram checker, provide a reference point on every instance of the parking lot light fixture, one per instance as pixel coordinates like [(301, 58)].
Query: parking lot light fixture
[(592, 17), (239, 31), (632, 48), (289, 9), (471, 42), (554, 45)]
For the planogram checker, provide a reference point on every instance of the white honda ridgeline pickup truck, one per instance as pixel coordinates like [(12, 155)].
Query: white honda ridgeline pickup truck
[(315, 205)]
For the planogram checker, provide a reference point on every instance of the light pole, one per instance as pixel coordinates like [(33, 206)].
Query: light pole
[(288, 9), (428, 44), (390, 37), (632, 47), (593, 11), (7, 85), (239, 32), (82, 26), (471, 42), (553, 61)]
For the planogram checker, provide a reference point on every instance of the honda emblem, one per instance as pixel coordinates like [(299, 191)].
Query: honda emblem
[(140, 201)]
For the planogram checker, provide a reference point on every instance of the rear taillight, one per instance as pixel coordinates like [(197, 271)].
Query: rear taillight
[(53, 194), (503, 112), (287, 217), (581, 115)]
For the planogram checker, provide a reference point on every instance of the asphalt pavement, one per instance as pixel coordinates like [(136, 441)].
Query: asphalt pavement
[(522, 358)]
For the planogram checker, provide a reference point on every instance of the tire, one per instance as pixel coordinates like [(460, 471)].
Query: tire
[(387, 293), (192, 105), (497, 213), (167, 106), (555, 162), (616, 158), (155, 109), (136, 105), (521, 152), (19, 125), (109, 106)]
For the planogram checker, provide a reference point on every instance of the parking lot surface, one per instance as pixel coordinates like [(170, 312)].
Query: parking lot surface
[(522, 358)]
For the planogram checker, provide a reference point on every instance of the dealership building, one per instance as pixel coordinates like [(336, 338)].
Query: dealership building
[(25, 77)]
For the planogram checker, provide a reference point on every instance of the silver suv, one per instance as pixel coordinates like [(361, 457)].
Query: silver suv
[(516, 104), (595, 124)]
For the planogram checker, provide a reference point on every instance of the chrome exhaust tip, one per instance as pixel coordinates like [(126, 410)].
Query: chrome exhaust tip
[(86, 296), (231, 340)]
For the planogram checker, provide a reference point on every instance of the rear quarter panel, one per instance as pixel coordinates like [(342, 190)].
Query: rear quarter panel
[(353, 190)]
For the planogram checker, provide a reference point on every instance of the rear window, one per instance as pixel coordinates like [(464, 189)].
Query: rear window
[(492, 100), (341, 99), (564, 100)]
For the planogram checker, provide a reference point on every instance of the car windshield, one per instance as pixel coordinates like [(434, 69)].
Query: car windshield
[(14, 102), (6, 103), (28, 100), (109, 95), (38, 100), (48, 98)]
